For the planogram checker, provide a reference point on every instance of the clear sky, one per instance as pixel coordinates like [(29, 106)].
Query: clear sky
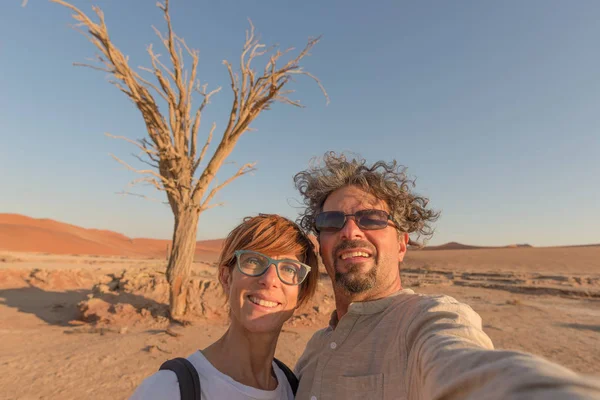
[(493, 106)]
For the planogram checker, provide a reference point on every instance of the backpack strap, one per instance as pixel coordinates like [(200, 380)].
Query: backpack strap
[(292, 379), (187, 376)]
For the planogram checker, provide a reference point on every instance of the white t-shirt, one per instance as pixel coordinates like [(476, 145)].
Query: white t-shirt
[(213, 384)]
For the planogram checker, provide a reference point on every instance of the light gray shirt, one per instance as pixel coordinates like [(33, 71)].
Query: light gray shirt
[(411, 346)]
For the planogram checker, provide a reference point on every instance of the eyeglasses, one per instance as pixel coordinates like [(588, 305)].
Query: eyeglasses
[(332, 221), (252, 263)]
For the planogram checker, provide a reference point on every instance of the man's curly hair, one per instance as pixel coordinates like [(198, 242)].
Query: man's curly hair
[(386, 181)]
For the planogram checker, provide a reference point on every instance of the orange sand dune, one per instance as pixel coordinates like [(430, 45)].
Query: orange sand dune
[(26, 234)]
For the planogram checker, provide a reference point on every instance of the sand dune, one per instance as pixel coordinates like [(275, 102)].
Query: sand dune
[(452, 246), (26, 234), (461, 246)]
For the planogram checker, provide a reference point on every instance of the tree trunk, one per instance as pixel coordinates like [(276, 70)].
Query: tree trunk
[(181, 259)]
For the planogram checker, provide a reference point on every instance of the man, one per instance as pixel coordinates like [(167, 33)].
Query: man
[(385, 342)]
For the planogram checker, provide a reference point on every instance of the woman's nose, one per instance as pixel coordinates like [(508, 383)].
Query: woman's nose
[(269, 278)]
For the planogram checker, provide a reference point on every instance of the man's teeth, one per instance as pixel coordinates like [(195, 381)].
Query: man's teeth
[(261, 302), (354, 254)]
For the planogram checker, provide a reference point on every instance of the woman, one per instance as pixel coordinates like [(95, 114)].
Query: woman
[(268, 268)]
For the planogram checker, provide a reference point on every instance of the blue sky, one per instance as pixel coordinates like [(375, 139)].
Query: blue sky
[(493, 106)]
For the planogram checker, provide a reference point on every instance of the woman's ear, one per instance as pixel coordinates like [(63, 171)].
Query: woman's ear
[(225, 277)]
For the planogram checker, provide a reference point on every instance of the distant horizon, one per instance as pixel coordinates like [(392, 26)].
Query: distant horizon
[(499, 246)]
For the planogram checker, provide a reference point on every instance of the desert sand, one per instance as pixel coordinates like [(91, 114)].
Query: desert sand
[(77, 323)]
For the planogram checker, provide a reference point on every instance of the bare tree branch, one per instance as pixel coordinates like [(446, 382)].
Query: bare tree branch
[(252, 95), (97, 68), (166, 184), (117, 63), (140, 171), (246, 168), (140, 159), (204, 148), (152, 85), (125, 193), (209, 206), (197, 121), (141, 146)]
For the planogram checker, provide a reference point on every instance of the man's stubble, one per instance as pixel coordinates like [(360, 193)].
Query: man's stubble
[(353, 283)]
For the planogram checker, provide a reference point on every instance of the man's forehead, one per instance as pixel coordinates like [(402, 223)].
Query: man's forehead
[(352, 198)]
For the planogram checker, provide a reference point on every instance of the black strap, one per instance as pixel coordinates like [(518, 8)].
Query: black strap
[(189, 381), (187, 376), (289, 375)]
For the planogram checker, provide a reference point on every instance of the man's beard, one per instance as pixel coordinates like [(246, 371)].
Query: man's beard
[(353, 281)]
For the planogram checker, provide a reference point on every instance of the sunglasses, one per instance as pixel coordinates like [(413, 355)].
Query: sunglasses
[(331, 221), (253, 263)]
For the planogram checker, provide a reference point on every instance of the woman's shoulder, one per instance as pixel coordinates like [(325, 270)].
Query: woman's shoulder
[(160, 385), (215, 384), (163, 384)]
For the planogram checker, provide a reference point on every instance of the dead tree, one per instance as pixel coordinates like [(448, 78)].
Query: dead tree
[(171, 147)]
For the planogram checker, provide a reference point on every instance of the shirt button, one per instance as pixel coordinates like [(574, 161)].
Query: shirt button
[(313, 398), (333, 345)]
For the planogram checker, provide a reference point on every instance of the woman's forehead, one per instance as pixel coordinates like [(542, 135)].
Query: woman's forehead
[(276, 255)]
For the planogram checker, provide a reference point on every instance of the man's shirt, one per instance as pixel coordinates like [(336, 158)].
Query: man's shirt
[(411, 346)]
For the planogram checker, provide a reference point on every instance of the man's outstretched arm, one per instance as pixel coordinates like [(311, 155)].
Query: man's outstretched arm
[(450, 357)]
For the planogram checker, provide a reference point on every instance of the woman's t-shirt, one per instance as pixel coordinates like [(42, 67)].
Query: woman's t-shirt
[(213, 384)]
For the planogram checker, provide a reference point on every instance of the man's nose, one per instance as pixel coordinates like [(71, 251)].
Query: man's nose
[(269, 278), (350, 230)]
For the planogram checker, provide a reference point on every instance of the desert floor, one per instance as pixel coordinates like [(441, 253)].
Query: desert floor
[(74, 327)]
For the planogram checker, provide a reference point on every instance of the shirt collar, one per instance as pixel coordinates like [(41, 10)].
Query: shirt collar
[(368, 307)]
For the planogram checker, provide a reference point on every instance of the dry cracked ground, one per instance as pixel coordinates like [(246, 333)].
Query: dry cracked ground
[(75, 327)]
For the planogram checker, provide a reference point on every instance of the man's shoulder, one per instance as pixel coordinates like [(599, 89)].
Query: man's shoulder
[(426, 316), (424, 301), (415, 306)]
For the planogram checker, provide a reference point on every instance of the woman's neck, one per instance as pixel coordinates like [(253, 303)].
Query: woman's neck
[(244, 356)]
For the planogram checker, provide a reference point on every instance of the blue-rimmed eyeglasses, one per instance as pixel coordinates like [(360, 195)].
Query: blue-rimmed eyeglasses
[(252, 263)]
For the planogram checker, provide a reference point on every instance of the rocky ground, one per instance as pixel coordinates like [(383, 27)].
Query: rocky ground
[(75, 327)]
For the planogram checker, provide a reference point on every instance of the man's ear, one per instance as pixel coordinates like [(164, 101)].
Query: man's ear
[(403, 244), (225, 277)]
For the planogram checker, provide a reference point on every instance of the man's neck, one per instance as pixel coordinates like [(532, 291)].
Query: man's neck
[(343, 299), (245, 357)]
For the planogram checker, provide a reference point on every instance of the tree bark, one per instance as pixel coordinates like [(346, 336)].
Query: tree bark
[(181, 259)]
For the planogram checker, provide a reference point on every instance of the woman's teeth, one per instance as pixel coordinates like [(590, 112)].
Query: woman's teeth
[(261, 302)]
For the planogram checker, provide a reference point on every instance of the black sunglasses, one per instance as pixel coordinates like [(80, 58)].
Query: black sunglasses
[(365, 219)]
